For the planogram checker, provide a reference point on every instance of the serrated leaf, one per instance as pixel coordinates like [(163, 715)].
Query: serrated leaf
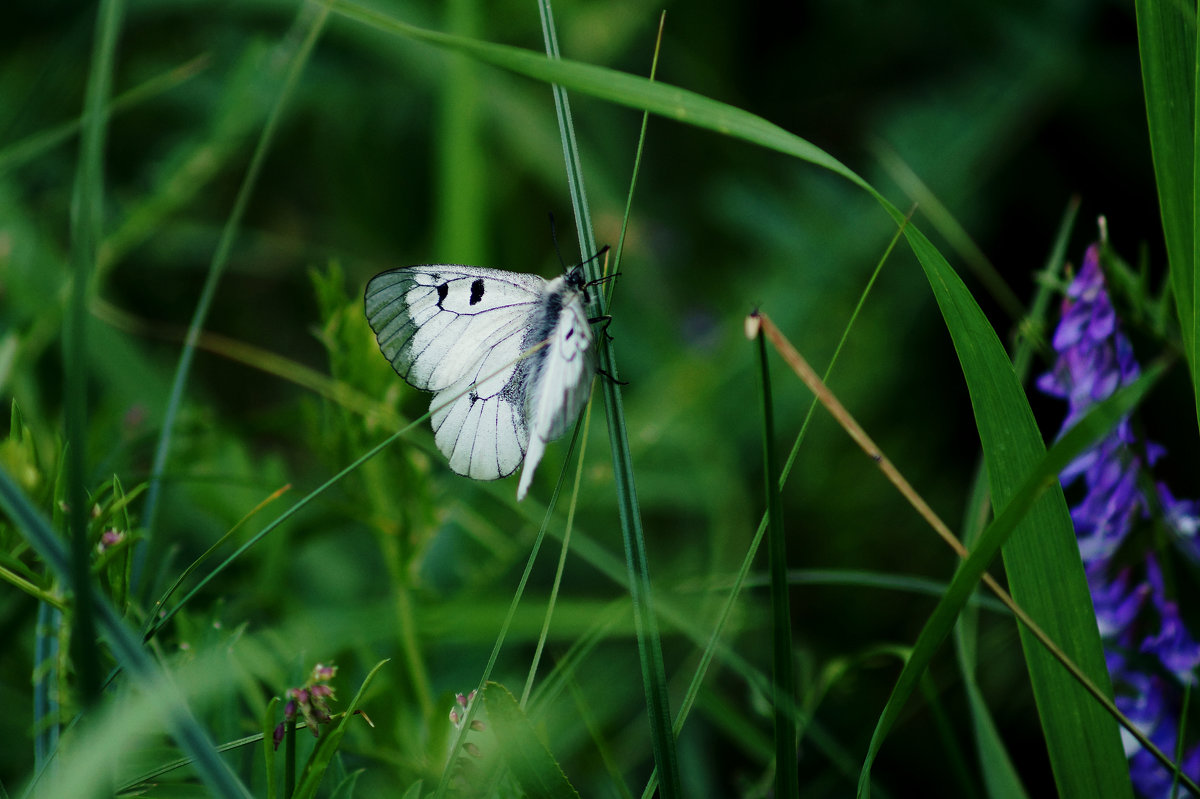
[(530, 761)]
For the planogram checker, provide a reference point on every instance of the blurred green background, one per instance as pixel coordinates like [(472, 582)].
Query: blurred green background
[(392, 153)]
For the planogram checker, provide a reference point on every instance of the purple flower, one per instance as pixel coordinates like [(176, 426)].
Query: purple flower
[(1105, 516), (310, 700), (1094, 359), (1116, 603), (1183, 517), (1173, 645)]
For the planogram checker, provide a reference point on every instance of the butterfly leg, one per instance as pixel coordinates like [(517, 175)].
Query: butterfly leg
[(604, 320), (611, 379)]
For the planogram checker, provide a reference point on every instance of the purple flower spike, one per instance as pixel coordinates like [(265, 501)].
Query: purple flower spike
[(1094, 359)]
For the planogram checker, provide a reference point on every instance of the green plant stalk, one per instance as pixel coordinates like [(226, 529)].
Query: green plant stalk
[(410, 645), (740, 580), (461, 214), (289, 759), (588, 415), (654, 675), (319, 15), (268, 743), (782, 678), (950, 742), (581, 435), (87, 204)]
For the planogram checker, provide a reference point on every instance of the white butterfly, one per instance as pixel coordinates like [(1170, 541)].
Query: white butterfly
[(446, 328)]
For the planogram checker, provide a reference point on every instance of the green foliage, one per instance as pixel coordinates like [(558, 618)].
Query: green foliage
[(239, 176)]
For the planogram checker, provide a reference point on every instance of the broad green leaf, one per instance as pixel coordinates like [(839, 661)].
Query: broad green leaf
[(531, 763)]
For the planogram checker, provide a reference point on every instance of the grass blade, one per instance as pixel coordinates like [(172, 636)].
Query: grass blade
[(782, 679), (1041, 558), (654, 674), (87, 211), (1167, 46)]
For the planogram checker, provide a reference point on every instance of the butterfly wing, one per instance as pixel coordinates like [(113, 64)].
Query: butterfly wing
[(444, 328), (561, 378)]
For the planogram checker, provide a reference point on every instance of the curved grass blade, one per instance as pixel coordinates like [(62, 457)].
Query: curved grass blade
[(999, 774), (1041, 559)]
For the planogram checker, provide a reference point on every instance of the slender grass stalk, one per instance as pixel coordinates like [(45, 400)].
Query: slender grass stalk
[(314, 17), (461, 188), (611, 285), (289, 759), (783, 686), (562, 556), (654, 674), (267, 736), (637, 167), (951, 743), (87, 203), (740, 580)]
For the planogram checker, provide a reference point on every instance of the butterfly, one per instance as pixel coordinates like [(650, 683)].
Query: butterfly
[(460, 332)]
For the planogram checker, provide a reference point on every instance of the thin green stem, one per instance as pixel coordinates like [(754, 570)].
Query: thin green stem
[(782, 677), (86, 223)]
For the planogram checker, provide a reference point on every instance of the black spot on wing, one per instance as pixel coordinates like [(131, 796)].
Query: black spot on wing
[(476, 291), (443, 290)]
